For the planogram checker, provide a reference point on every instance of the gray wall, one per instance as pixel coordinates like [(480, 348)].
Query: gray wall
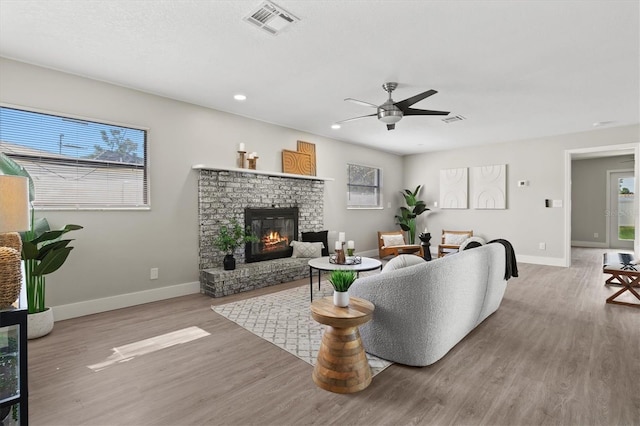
[(526, 222), (115, 251), (589, 198)]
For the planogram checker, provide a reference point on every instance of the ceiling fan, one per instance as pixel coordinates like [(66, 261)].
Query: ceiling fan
[(391, 112)]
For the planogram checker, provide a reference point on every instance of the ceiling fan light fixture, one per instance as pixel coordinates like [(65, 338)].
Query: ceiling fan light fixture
[(389, 117)]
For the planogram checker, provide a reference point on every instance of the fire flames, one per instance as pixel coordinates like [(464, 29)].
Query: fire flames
[(274, 241)]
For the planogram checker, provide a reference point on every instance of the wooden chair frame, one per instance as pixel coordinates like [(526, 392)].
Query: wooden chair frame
[(396, 250), (442, 246)]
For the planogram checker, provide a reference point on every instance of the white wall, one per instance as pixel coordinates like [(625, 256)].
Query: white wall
[(526, 222), (115, 251)]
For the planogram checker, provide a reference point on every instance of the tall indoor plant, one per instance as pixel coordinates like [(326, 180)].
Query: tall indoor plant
[(228, 240), (43, 252), (407, 217)]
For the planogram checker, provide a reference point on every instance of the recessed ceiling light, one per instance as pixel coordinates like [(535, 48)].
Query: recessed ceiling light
[(239, 97), (335, 126)]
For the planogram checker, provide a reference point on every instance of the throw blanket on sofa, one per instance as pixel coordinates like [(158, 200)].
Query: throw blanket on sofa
[(511, 269)]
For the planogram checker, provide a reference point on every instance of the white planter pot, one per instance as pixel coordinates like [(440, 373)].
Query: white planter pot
[(341, 298), (39, 324)]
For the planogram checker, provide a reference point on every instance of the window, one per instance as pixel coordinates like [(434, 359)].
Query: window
[(364, 187), (77, 163)]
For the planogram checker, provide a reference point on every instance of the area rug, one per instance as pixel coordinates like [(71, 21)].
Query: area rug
[(284, 319)]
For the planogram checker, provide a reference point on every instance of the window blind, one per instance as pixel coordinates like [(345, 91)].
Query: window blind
[(363, 187), (77, 163)]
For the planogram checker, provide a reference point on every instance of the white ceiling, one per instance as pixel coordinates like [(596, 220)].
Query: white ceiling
[(515, 69)]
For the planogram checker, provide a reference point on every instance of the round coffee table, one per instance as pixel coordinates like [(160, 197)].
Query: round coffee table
[(323, 264), (342, 365)]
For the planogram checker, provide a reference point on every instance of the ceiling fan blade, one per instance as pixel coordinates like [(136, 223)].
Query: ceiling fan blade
[(363, 103), (391, 126), (356, 118), (412, 100), (412, 111)]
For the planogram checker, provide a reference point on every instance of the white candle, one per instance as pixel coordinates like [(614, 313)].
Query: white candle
[(338, 245), (255, 154), (342, 237), (351, 244), (435, 204), (241, 147), (250, 157), (426, 231)]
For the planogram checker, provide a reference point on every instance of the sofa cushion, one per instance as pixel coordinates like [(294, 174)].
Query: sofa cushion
[(455, 239), (402, 261), (317, 237), (392, 240), (472, 242), (302, 249)]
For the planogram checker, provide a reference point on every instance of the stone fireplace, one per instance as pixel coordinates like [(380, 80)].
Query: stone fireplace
[(275, 229), (225, 194)]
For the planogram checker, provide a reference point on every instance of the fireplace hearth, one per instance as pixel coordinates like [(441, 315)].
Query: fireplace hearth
[(275, 229)]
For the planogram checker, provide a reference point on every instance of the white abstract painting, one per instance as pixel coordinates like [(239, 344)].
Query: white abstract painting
[(488, 187), (453, 188)]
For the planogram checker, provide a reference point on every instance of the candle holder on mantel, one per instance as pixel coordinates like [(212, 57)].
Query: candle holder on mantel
[(241, 159), (252, 163)]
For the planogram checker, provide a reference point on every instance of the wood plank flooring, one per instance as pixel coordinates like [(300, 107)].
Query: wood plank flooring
[(554, 353)]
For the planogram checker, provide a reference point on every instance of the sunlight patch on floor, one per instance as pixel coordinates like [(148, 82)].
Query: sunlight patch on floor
[(143, 347)]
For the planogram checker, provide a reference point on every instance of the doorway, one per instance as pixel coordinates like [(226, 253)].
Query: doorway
[(620, 209), (594, 152)]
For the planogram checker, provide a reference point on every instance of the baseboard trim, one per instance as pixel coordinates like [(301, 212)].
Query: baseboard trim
[(539, 260), (590, 244), (88, 307)]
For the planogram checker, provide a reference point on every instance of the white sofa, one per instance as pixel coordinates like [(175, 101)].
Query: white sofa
[(423, 309)]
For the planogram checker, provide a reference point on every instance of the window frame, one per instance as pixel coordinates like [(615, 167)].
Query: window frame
[(380, 205), (105, 207)]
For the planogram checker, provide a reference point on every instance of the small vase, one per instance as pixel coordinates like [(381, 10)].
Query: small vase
[(341, 298), (229, 262)]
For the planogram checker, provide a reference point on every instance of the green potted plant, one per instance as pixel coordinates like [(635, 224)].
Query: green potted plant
[(43, 252), (229, 238), (341, 281), (407, 217)]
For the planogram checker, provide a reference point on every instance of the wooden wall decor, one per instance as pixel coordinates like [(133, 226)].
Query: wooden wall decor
[(295, 162), (309, 148)]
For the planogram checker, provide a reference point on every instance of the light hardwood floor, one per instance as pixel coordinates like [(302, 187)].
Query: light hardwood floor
[(553, 353)]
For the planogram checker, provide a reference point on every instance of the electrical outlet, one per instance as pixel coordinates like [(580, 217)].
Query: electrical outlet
[(542, 246), (153, 274), (595, 235)]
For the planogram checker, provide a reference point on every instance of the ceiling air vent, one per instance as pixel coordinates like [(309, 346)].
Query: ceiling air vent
[(271, 18), (453, 119)]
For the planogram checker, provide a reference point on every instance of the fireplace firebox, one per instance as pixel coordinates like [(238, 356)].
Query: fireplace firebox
[(275, 229)]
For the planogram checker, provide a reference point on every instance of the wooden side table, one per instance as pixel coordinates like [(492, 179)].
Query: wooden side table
[(624, 271), (342, 365)]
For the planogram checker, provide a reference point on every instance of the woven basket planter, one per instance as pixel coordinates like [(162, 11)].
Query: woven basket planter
[(10, 276), (11, 239)]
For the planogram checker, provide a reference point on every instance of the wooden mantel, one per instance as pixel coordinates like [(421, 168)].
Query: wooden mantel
[(258, 172)]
